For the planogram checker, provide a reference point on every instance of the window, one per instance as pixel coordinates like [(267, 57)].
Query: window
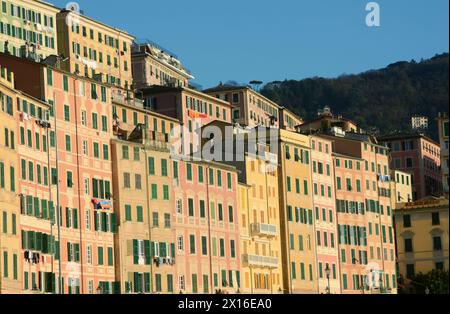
[(409, 162), (406, 221), (65, 83), (410, 271), (69, 179), (408, 245), (66, 113), (151, 166), (125, 154), (435, 219), (164, 172), (437, 243), (189, 172), (68, 144), (104, 124), (127, 212), (126, 180), (192, 244)]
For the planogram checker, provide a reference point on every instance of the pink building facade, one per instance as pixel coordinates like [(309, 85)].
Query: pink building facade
[(206, 227), (421, 157), (79, 131), (325, 215)]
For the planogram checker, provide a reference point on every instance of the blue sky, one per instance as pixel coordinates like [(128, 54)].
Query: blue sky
[(271, 40)]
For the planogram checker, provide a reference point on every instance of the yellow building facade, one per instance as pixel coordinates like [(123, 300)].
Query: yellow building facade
[(401, 188), (93, 49), (28, 29), (10, 277), (297, 219), (143, 188), (422, 237), (260, 238)]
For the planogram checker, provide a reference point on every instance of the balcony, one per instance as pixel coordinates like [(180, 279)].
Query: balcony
[(264, 230), (123, 98), (259, 261)]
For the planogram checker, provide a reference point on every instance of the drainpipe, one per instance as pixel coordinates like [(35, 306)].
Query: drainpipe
[(78, 184), (148, 209), (209, 230), (49, 189)]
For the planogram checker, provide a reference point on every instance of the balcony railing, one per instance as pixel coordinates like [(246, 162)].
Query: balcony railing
[(259, 261), (264, 229)]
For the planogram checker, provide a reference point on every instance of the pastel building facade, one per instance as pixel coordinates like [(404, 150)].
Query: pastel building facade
[(258, 203), (192, 108), (288, 120), (297, 222), (143, 188), (249, 107), (94, 50), (365, 224), (10, 253), (422, 238), (206, 225), (325, 215), (81, 174), (153, 65), (28, 29), (421, 157), (37, 205), (401, 188)]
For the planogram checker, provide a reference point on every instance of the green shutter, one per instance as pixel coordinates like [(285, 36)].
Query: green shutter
[(147, 252), (75, 218), (135, 252)]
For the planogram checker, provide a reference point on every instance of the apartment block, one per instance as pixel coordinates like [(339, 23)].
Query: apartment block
[(363, 204), (192, 108), (288, 120), (325, 215), (154, 65), (81, 175), (10, 253), (143, 188), (363, 200), (94, 50), (28, 29), (249, 107), (297, 223), (206, 225), (419, 156), (258, 201), (422, 238)]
